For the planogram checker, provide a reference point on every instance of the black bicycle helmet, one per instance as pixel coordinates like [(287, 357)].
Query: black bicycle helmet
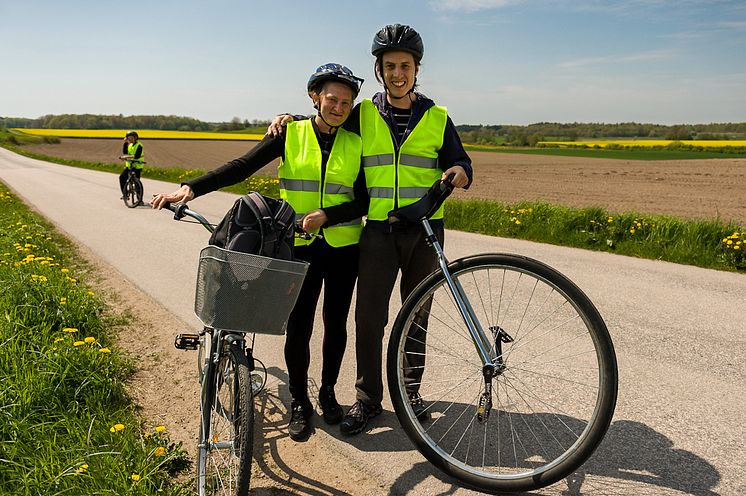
[(398, 37), (132, 133), (334, 72)]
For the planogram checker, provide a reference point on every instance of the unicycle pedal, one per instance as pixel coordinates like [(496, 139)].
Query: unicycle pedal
[(187, 341)]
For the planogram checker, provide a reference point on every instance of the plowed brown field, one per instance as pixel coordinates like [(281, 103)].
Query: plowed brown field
[(683, 188)]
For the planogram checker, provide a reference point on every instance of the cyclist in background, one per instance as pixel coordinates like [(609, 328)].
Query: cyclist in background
[(408, 144), (320, 177), (132, 154)]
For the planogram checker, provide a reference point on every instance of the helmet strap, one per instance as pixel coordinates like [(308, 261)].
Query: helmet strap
[(332, 129)]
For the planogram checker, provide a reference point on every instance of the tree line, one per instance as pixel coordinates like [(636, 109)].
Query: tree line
[(159, 122), (531, 134), (478, 134)]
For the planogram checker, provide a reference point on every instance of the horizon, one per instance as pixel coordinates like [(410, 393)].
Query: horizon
[(669, 62), (455, 123)]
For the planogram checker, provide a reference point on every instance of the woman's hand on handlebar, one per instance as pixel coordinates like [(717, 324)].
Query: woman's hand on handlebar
[(460, 179), (181, 195), (314, 220), (277, 126)]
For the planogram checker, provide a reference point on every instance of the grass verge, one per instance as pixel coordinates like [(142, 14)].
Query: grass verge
[(66, 421), (704, 243)]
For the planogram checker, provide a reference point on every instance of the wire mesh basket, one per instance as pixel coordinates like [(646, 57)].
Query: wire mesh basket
[(244, 292)]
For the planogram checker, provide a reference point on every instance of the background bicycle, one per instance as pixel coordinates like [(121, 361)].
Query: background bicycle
[(133, 189), (235, 291)]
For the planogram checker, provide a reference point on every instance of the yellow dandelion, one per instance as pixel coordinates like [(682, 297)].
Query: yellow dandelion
[(69, 329), (632, 230), (117, 428), (135, 477), (64, 271), (736, 247), (78, 343), (82, 469), (63, 301), (517, 221), (160, 451), (91, 293), (160, 428), (90, 339), (58, 340), (104, 350)]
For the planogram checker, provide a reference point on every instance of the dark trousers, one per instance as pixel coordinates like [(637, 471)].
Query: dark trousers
[(124, 175), (382, 255), (336, 268)]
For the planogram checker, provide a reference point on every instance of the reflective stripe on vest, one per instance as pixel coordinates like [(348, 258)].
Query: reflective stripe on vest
[(404, 178), (131, 150), (301, 183)]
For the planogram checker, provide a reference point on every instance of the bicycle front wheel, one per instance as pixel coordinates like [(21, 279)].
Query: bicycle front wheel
[(224, 455), (132, 193), (554, 394)]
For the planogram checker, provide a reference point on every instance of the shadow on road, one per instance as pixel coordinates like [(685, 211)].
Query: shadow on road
[(632, 459)]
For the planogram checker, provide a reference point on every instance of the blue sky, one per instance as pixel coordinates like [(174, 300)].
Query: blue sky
[(488, 61)]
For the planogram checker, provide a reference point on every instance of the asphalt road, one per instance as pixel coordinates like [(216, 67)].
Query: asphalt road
[(679, 332)]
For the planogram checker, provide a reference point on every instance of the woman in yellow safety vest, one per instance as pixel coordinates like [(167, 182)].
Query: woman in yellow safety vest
[(320, 177)]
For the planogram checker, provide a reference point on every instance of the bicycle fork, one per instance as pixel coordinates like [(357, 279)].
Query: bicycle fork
[(492, 364)]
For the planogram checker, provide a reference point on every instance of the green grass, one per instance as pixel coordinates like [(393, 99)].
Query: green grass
[(63, 390), (635, 154), (703, 243)]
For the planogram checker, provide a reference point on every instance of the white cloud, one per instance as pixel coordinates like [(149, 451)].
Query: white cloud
[(613, 59), (470, 5), (737, 25)]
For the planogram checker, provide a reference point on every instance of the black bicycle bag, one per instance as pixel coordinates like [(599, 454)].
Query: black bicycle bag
[(259, 225)]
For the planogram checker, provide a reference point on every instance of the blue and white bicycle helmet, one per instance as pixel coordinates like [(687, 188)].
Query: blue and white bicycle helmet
[(334, 72)]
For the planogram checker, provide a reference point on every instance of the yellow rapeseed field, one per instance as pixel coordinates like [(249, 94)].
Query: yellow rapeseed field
[(144, 134), (629, 143)]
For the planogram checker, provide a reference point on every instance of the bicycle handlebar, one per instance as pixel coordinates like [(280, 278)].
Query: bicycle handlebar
[(426, 206), (182, 210)]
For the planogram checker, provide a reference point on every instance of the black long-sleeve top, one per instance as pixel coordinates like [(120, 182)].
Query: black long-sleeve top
[(266, 151)]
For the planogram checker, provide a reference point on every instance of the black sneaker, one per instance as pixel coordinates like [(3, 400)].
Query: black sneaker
[(357, 417), (418, 407), (329, 406), (300, 426)]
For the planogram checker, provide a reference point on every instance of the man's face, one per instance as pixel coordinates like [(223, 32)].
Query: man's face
[(399, 72), (335, 103)]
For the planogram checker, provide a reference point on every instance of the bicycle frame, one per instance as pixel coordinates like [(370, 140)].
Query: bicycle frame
[(481, 341)]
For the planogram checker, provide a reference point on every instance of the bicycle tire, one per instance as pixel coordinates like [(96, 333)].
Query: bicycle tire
[(553, 401), (130, 193), (224, 460)]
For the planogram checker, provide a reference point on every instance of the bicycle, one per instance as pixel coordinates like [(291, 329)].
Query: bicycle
[(234, 289), (503, 331), (133, 189)]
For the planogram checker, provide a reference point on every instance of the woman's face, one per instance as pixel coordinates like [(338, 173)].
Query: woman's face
[(335, 102), (399, 72)]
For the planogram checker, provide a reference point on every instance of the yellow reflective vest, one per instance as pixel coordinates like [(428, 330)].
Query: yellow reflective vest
[(302, 185), (400, 177), (131, 150)]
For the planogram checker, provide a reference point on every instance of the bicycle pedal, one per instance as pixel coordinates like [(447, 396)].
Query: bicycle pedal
[(187, 341)]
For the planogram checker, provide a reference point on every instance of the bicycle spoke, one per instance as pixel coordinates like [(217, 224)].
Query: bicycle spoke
[(548, 398)]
